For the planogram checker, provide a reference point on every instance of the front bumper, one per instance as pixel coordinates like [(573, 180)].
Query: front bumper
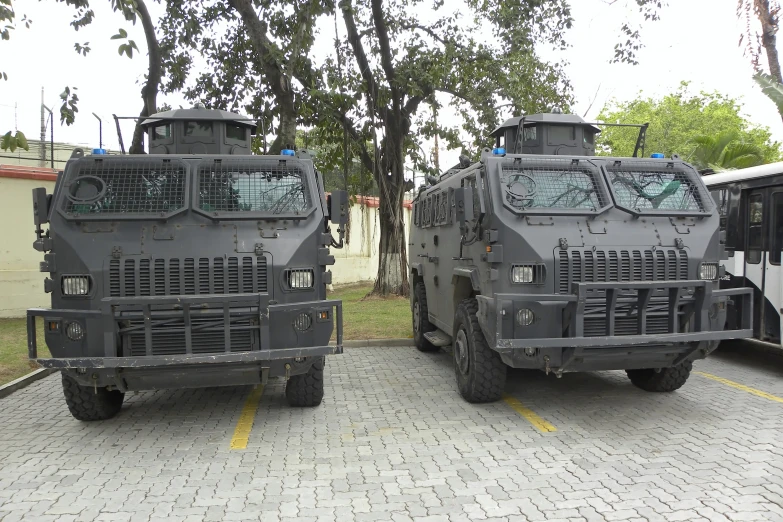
[(180, 324), (599, 319)]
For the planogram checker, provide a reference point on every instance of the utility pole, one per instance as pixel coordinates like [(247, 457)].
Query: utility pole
[(42, 160), (51, 135)]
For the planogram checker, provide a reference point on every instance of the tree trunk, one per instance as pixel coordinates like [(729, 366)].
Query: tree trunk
[(149, 92), (392, 253), (286, 134), (769, 28)]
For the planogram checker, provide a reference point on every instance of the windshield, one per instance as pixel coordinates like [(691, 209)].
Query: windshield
[(644, 189), (253, 187), (99, 187), (556, 186)]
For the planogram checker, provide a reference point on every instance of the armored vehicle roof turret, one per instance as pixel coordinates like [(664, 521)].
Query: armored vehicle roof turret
[(198, 131), (547, 133)]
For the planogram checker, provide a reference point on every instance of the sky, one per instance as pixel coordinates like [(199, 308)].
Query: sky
[(695, 40)]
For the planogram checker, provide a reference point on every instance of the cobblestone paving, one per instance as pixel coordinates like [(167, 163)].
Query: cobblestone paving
[(394, 441)]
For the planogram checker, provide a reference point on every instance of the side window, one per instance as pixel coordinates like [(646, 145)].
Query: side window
[(777, 228), (755, 225), (470, 181), (416, 208)]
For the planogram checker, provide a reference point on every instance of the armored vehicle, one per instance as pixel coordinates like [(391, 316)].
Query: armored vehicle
[(544, 256), (196, 265)]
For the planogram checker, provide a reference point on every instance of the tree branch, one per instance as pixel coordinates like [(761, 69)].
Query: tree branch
[(358, 50), (278, 82), (382, 31)]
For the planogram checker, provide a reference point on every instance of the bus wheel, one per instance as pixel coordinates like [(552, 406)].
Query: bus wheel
[(421, 322), (91, 404), (663, 380), (481, 374), (307, 389)]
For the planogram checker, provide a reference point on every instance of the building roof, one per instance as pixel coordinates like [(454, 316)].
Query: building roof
[(569, 119)]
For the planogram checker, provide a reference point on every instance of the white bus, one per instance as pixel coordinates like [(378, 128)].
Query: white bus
[(750, 202)]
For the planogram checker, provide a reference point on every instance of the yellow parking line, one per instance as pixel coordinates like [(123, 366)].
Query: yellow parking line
[(245, 423), (539, 423), (742, 387)]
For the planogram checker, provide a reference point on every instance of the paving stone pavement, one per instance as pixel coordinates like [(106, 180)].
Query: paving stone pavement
[(393, 441)]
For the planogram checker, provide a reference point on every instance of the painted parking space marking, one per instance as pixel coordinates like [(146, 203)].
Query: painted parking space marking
[(246, 419), (531, 416), (742, 387)]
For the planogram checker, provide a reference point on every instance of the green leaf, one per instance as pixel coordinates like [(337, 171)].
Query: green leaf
[(771, 88), (121, 35), (5, 143), (12, 144), (21, 139)]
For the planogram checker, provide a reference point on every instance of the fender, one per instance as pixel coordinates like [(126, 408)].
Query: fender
[(471, 272)]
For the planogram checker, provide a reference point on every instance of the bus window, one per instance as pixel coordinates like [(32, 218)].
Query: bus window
[(777, 228), (755, 221)]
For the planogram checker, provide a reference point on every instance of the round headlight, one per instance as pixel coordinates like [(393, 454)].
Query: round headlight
[(74, 331), (525, 317)]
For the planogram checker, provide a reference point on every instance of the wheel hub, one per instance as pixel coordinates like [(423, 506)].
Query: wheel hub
[(461, 352)]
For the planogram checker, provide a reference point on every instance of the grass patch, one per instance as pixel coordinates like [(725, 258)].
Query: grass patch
[(363, 318), (373, 317), (13, 349)]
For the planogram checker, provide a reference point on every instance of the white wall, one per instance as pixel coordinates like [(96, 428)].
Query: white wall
[(358, 260)]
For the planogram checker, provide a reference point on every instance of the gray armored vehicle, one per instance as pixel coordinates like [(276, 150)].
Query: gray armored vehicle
[(197, 265), (544, 256)]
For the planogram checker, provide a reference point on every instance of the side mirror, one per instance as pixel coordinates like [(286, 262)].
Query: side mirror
[(463, 200), (40, 206), (338, 207)]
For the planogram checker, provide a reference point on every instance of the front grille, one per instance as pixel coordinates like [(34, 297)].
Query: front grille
[(587, 266), (132, 277), (168, 338), (626, 315)]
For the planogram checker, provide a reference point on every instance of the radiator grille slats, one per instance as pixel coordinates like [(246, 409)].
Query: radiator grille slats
[(587, 266), (131, 277)]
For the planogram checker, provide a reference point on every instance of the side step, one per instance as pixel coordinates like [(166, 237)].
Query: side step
[(438, 338)]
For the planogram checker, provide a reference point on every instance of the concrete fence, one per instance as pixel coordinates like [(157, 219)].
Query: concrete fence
[(21, 283)]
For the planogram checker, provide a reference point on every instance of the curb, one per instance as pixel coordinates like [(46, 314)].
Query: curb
[(26, 380), (368, 343)]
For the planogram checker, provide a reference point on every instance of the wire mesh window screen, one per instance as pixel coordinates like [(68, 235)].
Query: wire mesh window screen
[(248, 187), (125, 187), (555, 184), (640, 188)]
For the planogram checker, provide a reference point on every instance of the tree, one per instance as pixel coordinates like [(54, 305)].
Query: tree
[(762, 43), (259, 57), (677, 120), (724, 151)]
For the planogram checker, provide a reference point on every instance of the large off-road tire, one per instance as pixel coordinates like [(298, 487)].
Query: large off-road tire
[(307, 389), (421, 321), (88, 404), (665, 380), (481, 374)]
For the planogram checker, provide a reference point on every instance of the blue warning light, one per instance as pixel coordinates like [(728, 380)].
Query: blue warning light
[(657, 155), (498, 151), (287, 152), (99, 151)]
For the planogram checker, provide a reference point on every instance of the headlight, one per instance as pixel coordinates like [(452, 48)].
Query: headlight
[(74, 331), (299, 278), (76, 285), (526, 274), (708, 271), (525, 317)]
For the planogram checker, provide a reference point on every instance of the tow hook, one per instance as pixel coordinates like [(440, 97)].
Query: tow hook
[(287, 371), (546, 361), (95, 382)]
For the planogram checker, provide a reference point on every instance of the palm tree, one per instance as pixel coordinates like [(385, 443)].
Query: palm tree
[(725, 152)]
